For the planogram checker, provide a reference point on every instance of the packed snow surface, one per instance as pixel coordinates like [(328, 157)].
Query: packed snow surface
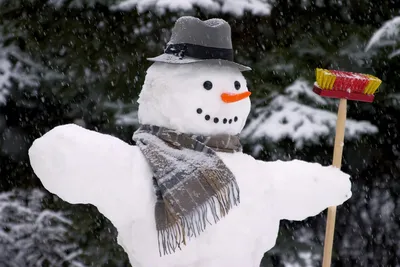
[(83, 166)]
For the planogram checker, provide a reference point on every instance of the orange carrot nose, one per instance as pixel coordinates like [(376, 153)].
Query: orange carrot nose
[(230, 98)]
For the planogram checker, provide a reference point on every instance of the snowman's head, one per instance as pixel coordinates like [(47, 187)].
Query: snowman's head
[(204, 98)]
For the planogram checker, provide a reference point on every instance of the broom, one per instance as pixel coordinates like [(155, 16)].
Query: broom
[(345, 86)]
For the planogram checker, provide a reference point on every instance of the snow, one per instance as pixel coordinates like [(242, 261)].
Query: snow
[(124, 114), (169, 99), (130, 118), (17, 72), (235, 7), (285, 117), (306, 260), (30, 236), (387, 35), (301, 87), (5, 75)]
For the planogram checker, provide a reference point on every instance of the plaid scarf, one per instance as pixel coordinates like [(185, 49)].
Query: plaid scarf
[(189, 179)]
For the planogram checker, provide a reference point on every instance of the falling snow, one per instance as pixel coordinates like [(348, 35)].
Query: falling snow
[(83, 62)]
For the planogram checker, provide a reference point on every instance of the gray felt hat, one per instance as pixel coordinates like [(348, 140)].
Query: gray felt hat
[(193, 40)]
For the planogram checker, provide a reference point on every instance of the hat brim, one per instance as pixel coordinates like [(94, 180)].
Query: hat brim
[(167, 58)]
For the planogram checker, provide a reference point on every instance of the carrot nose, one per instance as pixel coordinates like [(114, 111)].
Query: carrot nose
[(230, 98)]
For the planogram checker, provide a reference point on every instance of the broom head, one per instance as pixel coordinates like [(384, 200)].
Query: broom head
[(348, 85)]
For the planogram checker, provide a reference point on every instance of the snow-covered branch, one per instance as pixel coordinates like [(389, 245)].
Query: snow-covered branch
[(235, 7), (124, 114), (30, 236), (15, 68), (286, 117), (387, 35)]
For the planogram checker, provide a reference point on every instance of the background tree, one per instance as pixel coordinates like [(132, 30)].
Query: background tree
[(32, 236)]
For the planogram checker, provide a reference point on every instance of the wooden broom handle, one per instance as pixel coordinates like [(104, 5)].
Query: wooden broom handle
[(337, 162)]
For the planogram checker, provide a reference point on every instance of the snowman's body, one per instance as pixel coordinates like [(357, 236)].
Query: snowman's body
[(83, 166)]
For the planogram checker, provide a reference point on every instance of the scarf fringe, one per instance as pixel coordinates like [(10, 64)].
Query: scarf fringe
[(190, 187), (192, 224)]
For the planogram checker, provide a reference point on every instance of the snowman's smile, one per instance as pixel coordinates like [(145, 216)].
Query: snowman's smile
[(227, 98), (207, 117)]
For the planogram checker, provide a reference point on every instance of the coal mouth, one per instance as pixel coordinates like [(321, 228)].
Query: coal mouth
[(207, 117)]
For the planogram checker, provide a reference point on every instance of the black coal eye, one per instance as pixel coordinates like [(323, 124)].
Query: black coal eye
[(207, 85), (237, 85)]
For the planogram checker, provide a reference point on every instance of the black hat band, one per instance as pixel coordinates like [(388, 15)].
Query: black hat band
[(198, 51)]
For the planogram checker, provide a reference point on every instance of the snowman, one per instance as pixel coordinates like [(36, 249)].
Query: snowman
[(186, 195)]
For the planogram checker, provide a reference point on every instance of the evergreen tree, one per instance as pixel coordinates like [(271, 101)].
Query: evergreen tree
[(31, 236)]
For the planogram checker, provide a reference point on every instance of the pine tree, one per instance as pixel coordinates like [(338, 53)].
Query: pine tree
[(31, 236)]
